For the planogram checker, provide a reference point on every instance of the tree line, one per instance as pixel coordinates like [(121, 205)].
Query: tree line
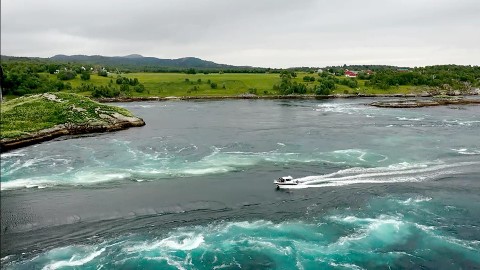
[(442, 76)]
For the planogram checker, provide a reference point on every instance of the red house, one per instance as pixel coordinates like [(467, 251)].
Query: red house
[(350, 74)]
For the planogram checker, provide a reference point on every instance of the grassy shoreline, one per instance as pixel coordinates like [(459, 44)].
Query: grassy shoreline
[(267, 97), (36, 118)]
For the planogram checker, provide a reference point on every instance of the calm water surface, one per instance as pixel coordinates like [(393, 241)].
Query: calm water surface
[(380, 188)]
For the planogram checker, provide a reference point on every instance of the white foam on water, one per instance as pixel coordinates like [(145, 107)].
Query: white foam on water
[(416, 200), (26, 183), (12, 154), (79, 178), (466, 151), (91, 177), (345, 108), (410, 119), (467, 123), (402, 172), (360, 155), (346, 265), (188, 242), (222, 266), (386, 229), (250, 225), (73, 263), (176, 241)]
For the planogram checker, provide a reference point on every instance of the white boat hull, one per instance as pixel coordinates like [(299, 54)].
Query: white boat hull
[(292, 183)]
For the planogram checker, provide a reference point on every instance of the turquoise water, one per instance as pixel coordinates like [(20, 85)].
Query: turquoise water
[(380, 189)]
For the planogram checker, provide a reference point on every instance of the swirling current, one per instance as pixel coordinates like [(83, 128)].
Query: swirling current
[(378, 188)]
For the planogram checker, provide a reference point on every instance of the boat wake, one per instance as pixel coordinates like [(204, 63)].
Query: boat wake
[(91, 166), (397, 173)]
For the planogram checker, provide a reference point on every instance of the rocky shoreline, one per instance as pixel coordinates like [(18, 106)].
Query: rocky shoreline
[(112, 123), (37, 118), (414, 103), (251, 96)]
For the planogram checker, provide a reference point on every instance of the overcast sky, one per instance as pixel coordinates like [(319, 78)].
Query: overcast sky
[(266, 33)]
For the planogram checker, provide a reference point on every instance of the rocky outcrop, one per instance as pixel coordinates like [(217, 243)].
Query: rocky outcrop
[(413, 103), (112, 122), (36, 118)]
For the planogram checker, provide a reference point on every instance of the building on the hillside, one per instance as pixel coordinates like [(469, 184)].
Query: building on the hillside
[(350, 73), (320, 71)]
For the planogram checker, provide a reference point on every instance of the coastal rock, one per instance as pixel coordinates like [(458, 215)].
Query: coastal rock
[(414, 103), (85, 116)]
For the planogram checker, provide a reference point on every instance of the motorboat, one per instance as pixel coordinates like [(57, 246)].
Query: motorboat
[(285, 181)]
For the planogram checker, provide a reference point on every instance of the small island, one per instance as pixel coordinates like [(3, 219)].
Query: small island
[(36, 118)]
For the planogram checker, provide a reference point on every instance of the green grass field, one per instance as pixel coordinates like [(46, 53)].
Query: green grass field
[(228, 84), (27, 114)]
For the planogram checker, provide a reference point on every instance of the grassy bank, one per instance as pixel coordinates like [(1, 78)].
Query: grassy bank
[(227, 84), (29, 114)]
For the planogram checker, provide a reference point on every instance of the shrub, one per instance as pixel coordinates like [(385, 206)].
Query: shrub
[(85, 76), (102, 73), (66, 75), (139, 88)]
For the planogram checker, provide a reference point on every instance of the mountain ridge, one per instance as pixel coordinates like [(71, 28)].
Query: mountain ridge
[(139, 60)]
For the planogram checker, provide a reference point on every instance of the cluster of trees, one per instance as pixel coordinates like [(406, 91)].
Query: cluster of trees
[(326, 86), (446, 76), (127, 84), (23, 78), (110, 90), (213, 85), (125, 80), (350, 82), (308, 78), (28, 76), (340, 70), (66, 75), (287, 87)]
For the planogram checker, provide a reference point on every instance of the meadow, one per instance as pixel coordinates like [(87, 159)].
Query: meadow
[(227, 84)]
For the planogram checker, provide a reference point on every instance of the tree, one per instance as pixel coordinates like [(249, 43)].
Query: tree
[(65, 75), (85, 76), (102, 72), (139, 88), (191, 71), (52, 68)]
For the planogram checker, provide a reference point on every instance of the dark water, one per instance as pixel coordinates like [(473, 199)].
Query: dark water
[(380, 188)]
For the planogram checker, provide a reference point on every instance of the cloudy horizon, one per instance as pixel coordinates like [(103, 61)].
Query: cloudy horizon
[(268, 33)]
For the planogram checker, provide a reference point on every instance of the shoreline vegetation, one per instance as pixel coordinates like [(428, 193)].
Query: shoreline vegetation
[(37, 118), (128, 78), (48, 98), (273, 97)]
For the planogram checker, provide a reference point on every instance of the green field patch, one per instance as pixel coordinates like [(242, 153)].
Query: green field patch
[(33, 113), (227, 84)]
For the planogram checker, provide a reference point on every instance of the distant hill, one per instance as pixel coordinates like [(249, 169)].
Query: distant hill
[(136, 60)]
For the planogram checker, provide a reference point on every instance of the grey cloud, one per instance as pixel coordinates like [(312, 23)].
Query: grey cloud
[(263, 33)]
